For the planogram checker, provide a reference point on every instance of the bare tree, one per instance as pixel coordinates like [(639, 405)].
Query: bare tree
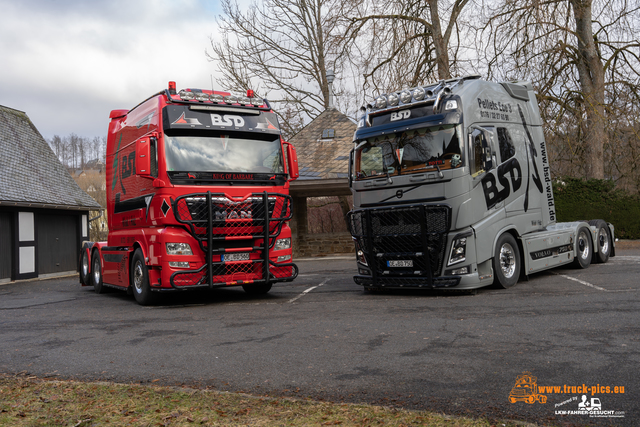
[(578, 54), (408, 43), (282, 49)]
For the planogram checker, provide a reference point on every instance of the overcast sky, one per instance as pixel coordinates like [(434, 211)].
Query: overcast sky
[(68, 63)]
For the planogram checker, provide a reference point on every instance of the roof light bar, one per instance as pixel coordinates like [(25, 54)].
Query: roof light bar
[(196, 95)]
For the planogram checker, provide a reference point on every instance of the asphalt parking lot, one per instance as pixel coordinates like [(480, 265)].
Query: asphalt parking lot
[(323, 337)]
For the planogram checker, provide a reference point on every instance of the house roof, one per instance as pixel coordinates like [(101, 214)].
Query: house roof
[(30, 173), (323, 146)]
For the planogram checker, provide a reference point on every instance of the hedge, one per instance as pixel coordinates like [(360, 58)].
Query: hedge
[(579, 200)]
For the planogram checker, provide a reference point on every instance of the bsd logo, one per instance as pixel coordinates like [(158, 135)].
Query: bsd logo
[(400, 115), (228, 120)]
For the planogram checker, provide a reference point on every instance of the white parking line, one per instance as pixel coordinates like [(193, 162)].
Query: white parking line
[(582, 282), (307, 291), (625, 258)]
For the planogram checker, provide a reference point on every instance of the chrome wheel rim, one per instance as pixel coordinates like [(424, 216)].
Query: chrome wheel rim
[(603, 240), (85, 265), (96, 270), (583, 245), (137, 277), (507, 261)]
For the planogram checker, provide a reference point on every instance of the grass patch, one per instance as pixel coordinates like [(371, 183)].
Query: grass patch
[(30, 401)]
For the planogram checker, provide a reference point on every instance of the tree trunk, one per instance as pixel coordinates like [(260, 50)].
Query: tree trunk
[(591, 75), (440, 44)]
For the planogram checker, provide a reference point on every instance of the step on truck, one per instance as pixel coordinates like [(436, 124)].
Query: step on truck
[(197, 185), (452, 189)]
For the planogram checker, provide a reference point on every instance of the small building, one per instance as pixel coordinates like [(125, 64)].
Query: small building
[(323, 148), (44, 215)]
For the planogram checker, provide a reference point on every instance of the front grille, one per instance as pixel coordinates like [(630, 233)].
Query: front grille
[(413, 237), (222, 225), (230, 219)]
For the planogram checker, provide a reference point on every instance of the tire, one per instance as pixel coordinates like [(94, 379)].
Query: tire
[(84, 268), (260, 289), (506, 262), (96, 273), (139, 280), (603, 241), (542, 398), (585, 250)]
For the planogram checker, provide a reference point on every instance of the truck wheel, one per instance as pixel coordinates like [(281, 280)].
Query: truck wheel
[(506, 262), (96, 273), (84, 268), (603, 241), (542, 398), (257, 289), (583, 257), (139, 278)]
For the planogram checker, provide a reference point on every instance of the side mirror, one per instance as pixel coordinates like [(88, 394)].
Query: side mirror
[(143, 154), (292, 161)]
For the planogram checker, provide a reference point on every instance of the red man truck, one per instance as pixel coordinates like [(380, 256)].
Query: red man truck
[(197, 197)]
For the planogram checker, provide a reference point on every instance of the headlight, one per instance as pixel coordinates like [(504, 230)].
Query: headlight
[(216, 97), (257, 101), (178, 264), (201, 96), (282, 244), (393, 99), (187, 96), (458, 271), (381, 102), (458, 250), (282, 258), (451, 105), (244, 100), (231, 99), (405, 96), (418, 94), (178, 249)]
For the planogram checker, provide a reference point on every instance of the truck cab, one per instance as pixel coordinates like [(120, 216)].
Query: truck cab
[(197, 196), (452, 189)]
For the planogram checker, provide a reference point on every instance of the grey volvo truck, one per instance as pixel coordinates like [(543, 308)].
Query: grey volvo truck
[(452, 189)]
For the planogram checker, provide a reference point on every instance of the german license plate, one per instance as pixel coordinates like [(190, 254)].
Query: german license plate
[(236, 257), (400, 263)]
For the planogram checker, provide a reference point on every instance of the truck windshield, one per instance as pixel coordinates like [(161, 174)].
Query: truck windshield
[(409, 152), (223, 153)]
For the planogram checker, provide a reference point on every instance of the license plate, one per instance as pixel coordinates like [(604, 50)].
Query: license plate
[(400, 263), (236, 257)]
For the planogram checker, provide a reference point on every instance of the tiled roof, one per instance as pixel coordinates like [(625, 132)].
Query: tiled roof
[(29, 170), (324, 158)]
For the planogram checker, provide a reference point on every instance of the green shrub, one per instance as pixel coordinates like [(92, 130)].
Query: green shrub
[(579, 200)]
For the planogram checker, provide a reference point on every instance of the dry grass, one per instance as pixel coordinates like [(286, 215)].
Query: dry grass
[(30, 401)]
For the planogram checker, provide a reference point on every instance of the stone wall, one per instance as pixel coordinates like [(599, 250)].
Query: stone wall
[(323, 244)]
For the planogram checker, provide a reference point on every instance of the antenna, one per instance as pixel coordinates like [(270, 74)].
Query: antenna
[(211, 75)]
